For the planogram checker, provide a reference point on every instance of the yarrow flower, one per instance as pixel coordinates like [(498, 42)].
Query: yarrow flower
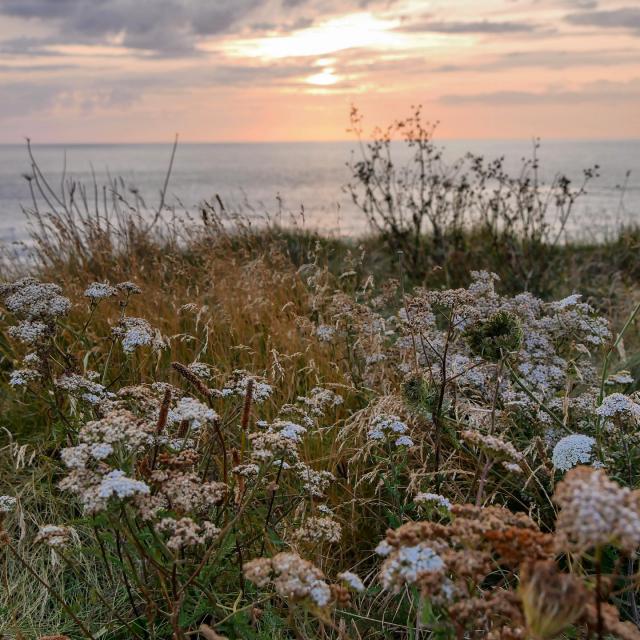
[(319, 529), (572, 450), (129, 287), (569, 301), (621, 377), (35, 300), (404, 565), (596, 511), (432, 498), (293, 578), (237, 386), (492, 445), (55, 536), (352, 580), (99, 290), (116, 483), (325, 332), (22, 377), (193, 411), (185, 532), (134, 333), (618, 404), (30, 332), (7, 504), (384, 427)]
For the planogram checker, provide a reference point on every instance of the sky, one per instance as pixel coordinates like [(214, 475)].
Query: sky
[(289, 70)]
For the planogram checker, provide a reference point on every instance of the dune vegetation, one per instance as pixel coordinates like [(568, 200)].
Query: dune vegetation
[(213, 427)]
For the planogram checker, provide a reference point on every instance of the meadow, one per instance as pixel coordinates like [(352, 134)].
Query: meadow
[(213, 428)]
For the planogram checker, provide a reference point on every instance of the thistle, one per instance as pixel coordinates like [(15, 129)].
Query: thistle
[(493, 338)]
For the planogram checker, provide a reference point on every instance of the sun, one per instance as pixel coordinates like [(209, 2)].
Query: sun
[(348, 32), (324, 78)]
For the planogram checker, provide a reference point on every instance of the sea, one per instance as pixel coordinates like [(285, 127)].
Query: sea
[(303, 183)]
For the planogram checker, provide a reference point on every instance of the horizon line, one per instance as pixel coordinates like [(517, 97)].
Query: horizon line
[(436, 139)]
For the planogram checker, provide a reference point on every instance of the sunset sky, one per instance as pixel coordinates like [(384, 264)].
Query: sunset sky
[(254, 70)]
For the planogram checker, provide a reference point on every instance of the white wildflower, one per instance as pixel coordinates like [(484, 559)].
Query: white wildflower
[(352, 580), (99, 290), (116, 483), (618, 404), (325, 332), (407, 564), (572, 450), (7, 504), (432, 498)]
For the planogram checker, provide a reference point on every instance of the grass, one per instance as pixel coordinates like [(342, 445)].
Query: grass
[(252, 299)]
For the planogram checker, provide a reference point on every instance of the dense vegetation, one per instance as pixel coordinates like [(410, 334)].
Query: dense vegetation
[(212, 429)]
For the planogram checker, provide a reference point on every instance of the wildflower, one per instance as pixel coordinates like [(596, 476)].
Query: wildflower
[(569, 301), (404, 441), (384, 426), (293, 578), (596, 511), (352, 580), (32, 360), (30, 332), (492, 445), (621, 377), (186, 533), (7, 504), (617, 404), (34, 300), (22, 377), (237, 386), (116, 483), (321, 399), (325, 332), (383, 549), (99, 290), (406, 564), (193, 411), (246, 470), (202, 370), (118, 427), (319, 529), (90, 391), (186, 492), (572, 450), (134, 332), (432, 498), (314, 482), (55, 536), (129, 287)]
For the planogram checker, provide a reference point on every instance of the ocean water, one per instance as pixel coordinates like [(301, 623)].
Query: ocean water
[(302, 183)]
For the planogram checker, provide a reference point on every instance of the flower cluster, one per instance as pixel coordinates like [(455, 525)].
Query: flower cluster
[(293, 578), (596, 511), (572, 450)]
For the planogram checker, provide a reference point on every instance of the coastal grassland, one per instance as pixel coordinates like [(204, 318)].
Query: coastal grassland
[(216, 428)]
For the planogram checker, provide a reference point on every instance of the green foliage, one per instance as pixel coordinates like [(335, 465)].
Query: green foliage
[(495, 337)]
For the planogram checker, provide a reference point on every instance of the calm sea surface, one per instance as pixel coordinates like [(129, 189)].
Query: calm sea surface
[(280, 178)]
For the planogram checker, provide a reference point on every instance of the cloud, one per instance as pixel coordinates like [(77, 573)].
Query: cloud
[(168, 27), (581, 4), (547, 59), (624, 18), (480, 26), (597, 92)]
